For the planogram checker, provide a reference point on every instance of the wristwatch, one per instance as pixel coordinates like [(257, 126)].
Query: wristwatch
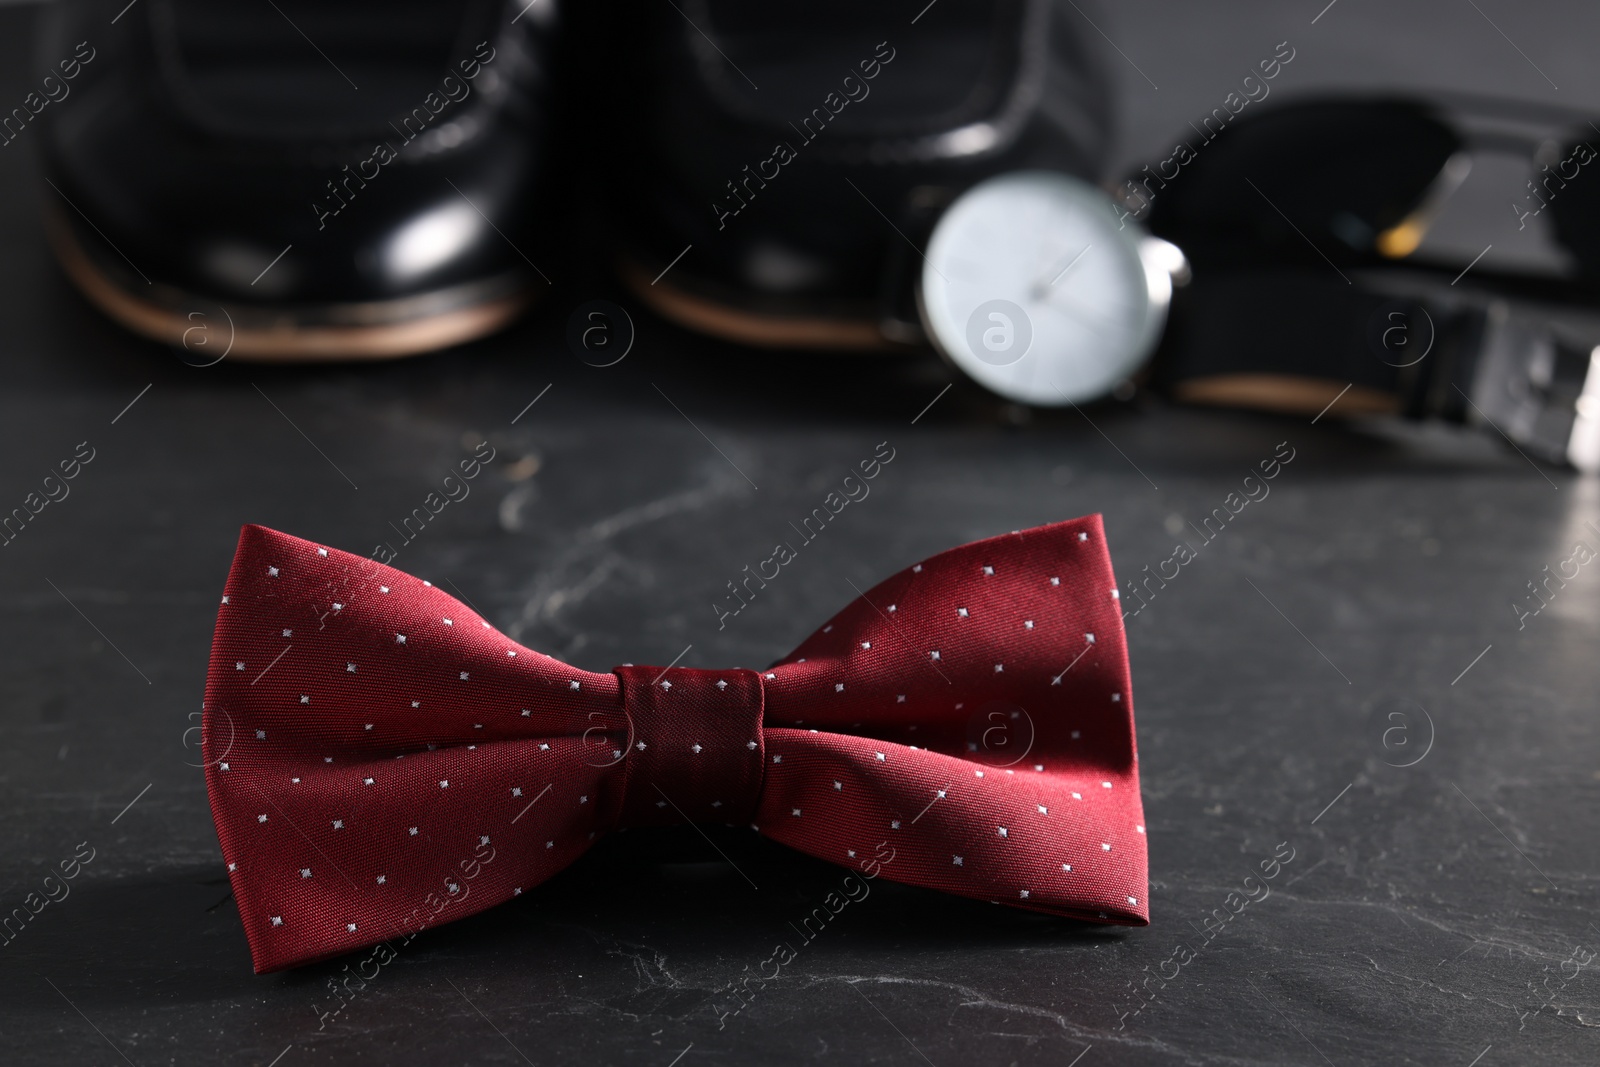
[(1035, 288)]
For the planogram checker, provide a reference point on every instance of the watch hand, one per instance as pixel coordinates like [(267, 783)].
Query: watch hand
[(1082, 313), (1042, 288)]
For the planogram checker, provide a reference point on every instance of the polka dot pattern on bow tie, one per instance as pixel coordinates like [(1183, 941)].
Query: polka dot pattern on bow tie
[(395, 763)]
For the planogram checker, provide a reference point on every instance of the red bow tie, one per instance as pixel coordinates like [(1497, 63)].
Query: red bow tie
[(380, 759)]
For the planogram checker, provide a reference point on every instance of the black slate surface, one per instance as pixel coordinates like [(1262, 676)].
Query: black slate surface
[(1438, 913)]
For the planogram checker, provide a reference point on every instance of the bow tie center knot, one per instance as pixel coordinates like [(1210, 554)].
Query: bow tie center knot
[(695, 747)]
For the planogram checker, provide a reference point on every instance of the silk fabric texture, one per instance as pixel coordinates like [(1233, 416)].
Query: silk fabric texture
[(380, 759)]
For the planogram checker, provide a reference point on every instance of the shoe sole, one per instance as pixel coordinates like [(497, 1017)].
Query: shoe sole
[(375, 330), (762, 329)]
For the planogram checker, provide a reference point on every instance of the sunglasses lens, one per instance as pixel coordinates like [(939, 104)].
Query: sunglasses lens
[(1301, 182), (1570, 188)]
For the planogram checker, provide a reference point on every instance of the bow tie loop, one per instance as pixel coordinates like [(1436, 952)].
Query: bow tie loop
[(694, 746)]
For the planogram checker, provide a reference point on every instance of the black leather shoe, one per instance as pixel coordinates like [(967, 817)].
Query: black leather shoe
[(763, 156), (342, 180)]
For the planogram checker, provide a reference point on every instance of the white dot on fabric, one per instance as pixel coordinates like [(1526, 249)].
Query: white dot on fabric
[(1066, 866), (1083, 536), (1104, 847), (1055, 581), (956, 861)]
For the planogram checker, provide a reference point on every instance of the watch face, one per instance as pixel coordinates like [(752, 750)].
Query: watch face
[(1034, 289)]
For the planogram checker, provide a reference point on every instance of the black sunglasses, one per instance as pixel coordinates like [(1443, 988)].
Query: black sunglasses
[(1359, 182)]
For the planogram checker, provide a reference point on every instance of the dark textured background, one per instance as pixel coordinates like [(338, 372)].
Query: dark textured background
[(1424, 919)]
